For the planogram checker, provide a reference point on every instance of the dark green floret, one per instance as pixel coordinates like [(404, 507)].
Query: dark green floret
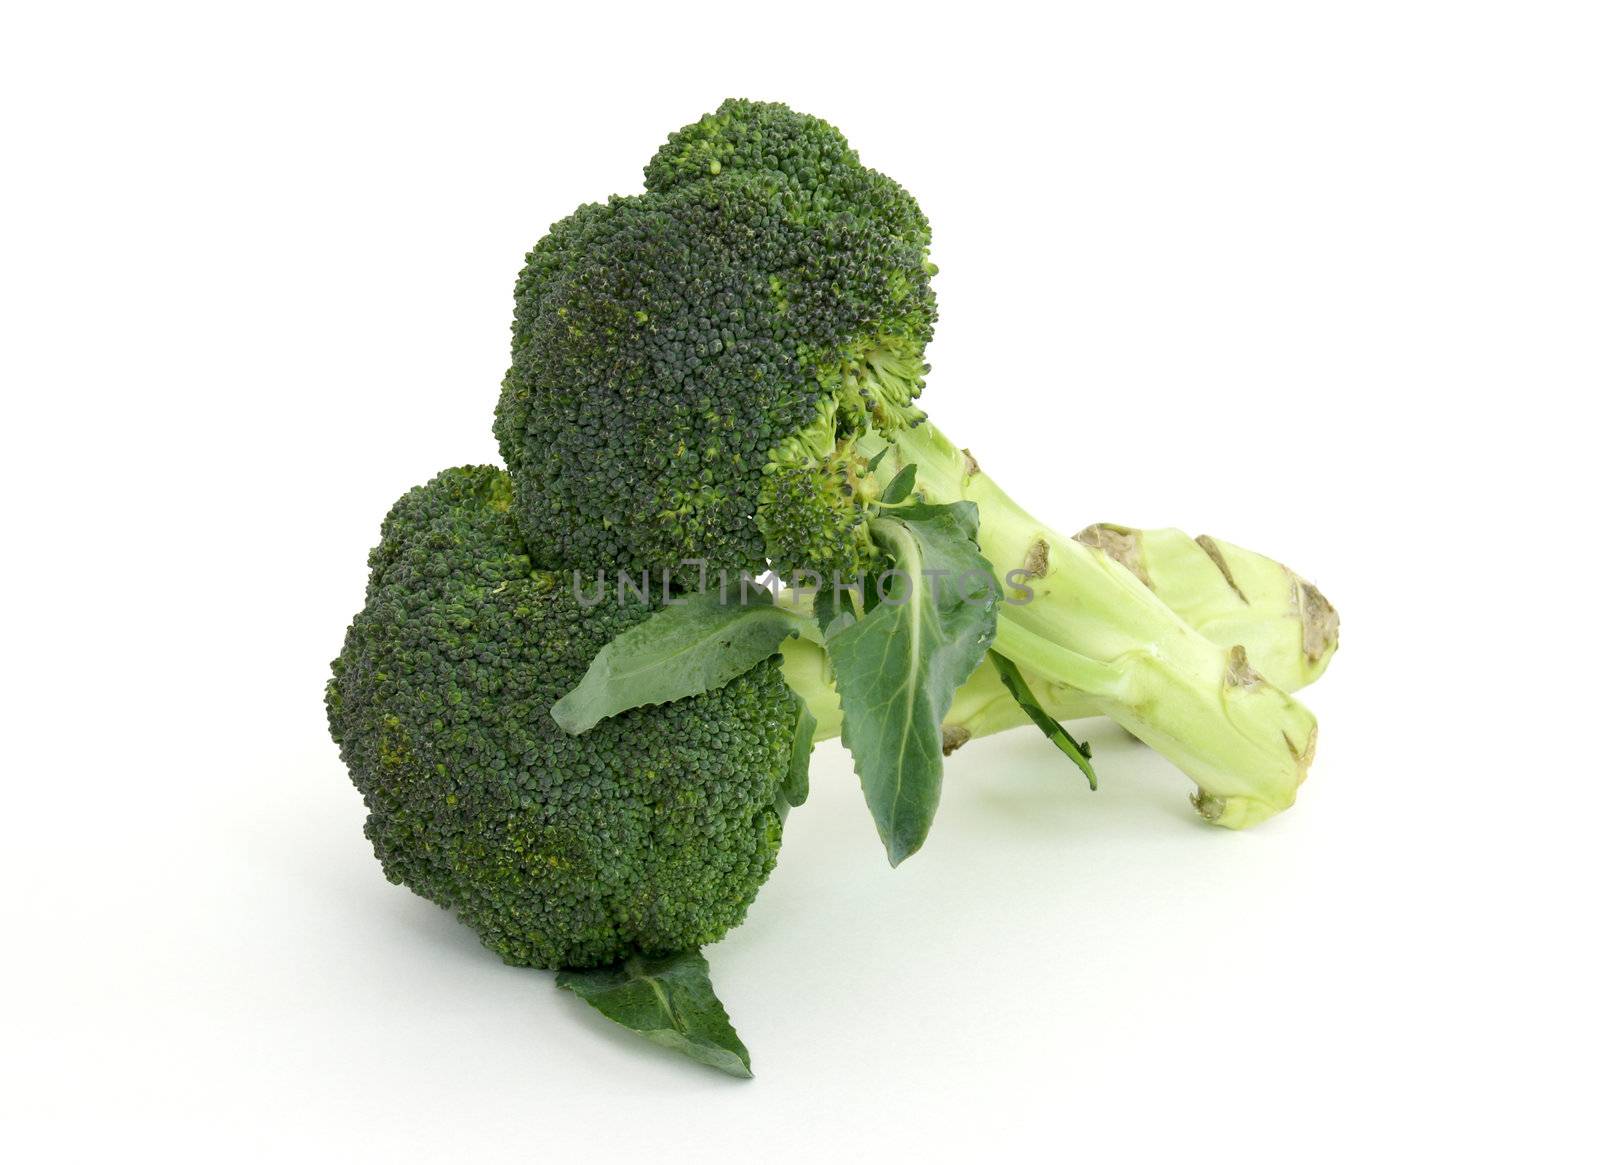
[(813, 155), (650, 833), (691, 367)]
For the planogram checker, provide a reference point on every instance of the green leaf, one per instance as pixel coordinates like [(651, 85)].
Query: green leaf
[(1048, 724), (961, 518), (900, 486), (797, 784), (827, 607), (682, 650), (667, 1000), (897, 668)]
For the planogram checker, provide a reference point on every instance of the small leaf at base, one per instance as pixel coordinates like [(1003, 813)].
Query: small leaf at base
[(668, 1000)]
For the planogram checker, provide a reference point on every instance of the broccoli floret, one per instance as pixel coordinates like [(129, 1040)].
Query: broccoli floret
[(691, 367), (651, 833), (768, 136)]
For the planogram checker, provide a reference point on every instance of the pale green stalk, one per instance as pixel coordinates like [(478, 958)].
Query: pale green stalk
[(1229, 594), (1093, 638)]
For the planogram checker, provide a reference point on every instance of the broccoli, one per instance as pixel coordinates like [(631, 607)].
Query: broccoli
[(627, 848), (722, 373), (649, 835), (652, 832), (724, 370)]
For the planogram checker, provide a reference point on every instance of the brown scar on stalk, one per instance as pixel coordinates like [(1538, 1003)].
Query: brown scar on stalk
[(954, 736), (1240, 674), (1037, 560), (1117, 543), (1209, 805), (1319, 622), (1034, 565), (1306, 754), (1214, 553)]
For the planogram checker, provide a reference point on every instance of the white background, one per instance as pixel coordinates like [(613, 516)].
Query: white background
[(1317, 279)]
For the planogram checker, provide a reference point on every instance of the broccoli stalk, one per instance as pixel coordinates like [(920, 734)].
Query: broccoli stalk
[(982, 707), (1090, 627), (1230, 594)]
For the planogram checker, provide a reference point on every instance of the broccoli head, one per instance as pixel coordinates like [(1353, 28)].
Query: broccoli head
[(650, 833), (692, 366)]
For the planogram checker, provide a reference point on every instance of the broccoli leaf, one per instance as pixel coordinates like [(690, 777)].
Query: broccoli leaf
[(669, 1001), (900, 487), (898, 667), (797, 784), (1048, 724), (682, 650)]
